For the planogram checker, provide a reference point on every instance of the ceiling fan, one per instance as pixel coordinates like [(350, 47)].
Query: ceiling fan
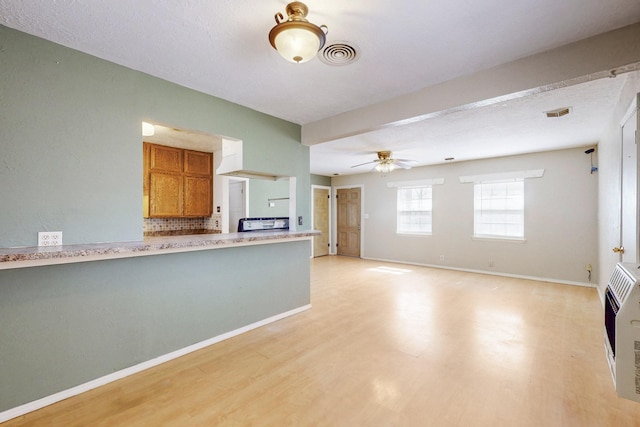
[(385, 163)]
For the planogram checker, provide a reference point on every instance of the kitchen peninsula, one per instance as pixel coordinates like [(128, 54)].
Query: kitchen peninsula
[(11, 258), (146, 303)]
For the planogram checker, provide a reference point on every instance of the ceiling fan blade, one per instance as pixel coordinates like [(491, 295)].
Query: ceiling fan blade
[(402, 164), (406, 160), (367, 163)]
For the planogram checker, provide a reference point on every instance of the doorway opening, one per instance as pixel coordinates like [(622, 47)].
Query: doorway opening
[(321, 219), (238, 202)]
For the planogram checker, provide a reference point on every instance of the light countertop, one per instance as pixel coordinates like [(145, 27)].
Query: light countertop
[(50, 255)]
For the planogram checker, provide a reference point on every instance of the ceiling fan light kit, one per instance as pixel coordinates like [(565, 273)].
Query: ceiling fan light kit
[(386, 164), (297, 40), (385, 167)]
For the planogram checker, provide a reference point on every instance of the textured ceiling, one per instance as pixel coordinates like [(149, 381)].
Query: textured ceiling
[(221, 48), (501, 129)]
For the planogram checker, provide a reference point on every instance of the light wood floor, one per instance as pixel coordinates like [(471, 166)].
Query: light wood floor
[(385, 345)]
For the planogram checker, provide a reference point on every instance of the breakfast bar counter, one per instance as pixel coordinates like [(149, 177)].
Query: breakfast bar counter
[(50, 255), (77, 324)]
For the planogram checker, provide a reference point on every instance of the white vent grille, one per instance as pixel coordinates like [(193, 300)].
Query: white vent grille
[(637, 353), (621, 283), (340, 53), (622, 329)]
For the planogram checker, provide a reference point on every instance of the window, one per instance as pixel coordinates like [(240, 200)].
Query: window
[(499, 209), (414, 210)]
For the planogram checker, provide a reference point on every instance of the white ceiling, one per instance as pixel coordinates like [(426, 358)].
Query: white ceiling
[(512, 127), (221, 48)]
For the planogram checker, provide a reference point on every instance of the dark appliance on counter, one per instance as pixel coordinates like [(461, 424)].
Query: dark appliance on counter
[(263, 224)]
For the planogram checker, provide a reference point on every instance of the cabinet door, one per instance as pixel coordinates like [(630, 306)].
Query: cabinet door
[(166, 192), (167, 159), (197, 163), (197, 196)]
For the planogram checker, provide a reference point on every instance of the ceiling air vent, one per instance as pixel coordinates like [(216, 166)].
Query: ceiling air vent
[(558, 112), (340, 53)]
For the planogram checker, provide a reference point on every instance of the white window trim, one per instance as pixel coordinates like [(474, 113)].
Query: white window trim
[(502, 176), (499, 237), (415, 184), (416, 234)]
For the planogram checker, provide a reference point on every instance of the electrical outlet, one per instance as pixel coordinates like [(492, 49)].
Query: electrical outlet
[(588, 267), (441, 257), (49, 238)]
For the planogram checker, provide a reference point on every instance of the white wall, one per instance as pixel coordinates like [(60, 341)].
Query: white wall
[(560, 218), (609, 188)]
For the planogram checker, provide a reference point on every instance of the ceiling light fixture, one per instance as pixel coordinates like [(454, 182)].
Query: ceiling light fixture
[(296, 39), (385, 167), (385, 162)]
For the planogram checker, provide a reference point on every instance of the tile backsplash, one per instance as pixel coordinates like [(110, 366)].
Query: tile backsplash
[(158, 225)]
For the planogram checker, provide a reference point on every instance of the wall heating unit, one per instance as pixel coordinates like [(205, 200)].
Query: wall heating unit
[(622, 329)]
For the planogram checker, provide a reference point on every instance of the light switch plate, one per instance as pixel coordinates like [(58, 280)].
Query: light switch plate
[(49, 238)]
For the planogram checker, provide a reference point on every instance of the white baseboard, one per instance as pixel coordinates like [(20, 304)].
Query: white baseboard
[(491, 273), (74, 391)]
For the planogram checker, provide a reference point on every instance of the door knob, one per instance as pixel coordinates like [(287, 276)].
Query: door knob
[(619, 250)]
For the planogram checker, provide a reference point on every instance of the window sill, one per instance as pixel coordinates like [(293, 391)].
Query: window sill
[(405, 234), (500, 239)]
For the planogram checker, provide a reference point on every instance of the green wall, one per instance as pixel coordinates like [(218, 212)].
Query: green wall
[(260, 191), (321, 180), (71, 161), (70, 143), (68, 324)]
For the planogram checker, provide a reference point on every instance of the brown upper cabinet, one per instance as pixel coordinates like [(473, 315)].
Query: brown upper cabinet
[(178, 183)]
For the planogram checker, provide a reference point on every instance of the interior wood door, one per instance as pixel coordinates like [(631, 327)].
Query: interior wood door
[(628, 248), (321, 221), (348, 216)]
